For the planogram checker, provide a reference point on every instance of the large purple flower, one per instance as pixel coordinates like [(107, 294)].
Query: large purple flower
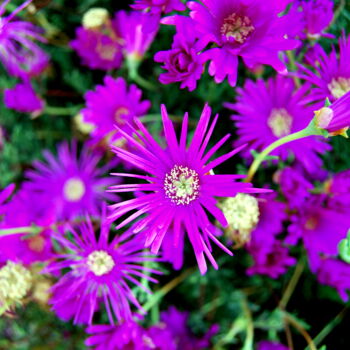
[(183, 62), (267, 111), (72, 185), (100, 271), (113, 103), (332, 72), (180, 186), (250, 29), (23, 98), (18, 52), (159, 6)]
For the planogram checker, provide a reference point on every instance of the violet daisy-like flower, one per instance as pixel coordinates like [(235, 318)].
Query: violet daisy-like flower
[(335, 118), (180, 186), (267, 111), (159, 6), (72, 184), (23, 98), (250, 29), (183, 62), (18, 52), (100, 272), (332, 72), (114, 103), (97, 42)]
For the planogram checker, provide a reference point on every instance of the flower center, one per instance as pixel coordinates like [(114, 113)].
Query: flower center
[(181, 185), (339, 87), (237, 27), (280, 122), (95, 17), (311, 223), (15, 282), (119, 115), (100, 262), (74, 189), (242, 215)]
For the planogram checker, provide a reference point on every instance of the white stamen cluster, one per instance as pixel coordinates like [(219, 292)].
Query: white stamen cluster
[(280, 122), (95, 17), (181, 185), (242, 215), (15, 283), (339, 87), (100, 262), (74, 189), (237, 27)]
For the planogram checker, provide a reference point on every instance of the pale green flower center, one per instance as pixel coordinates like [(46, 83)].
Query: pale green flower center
[(74, 189), (181, 185), (15, 283), (95, 17), (119, 115), (280, 122), (339, 87), (237, 27), (100, 262)]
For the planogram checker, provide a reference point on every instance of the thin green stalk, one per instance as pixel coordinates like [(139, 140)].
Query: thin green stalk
[(54, 110), (19, 230)]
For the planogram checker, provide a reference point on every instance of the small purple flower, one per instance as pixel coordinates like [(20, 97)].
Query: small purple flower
[(159, 6), (267, 111), (270, 257), (113, 103), (100, 271), (316, 17), (269, 345), (338, 190), (246, 28), (18, 52), (23, 98), (131, 27), (5, 194), (183, 62), (72, 184), (335, 118), (179, 187), (332, 76)]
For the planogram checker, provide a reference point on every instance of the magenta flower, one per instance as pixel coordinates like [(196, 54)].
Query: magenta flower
[(159, 6), (23, 98), (249, 29), (137, 30), (113, 103), (180, 186), (98, 49), (183, 62), (100, 271), (18, 52), (267, 111), (332, 72), (5, 194), (270, 256), (335, 118), (72, 185), (269, 345)]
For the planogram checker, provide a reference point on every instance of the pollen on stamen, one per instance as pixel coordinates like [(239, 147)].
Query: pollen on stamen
[(237, 27), (74, 189), (280, 122), (339, 87), (181, 185), (100, 262)]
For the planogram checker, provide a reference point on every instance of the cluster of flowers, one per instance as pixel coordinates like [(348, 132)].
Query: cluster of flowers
[(173, 182)]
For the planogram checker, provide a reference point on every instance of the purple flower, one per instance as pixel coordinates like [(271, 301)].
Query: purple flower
[(5, 194), (159, 6), (294, 186), (131, 26), (269, 345), (335, 118), (113, 103), (179, 186), (316, 16), (338, 190), (267, 111), (246, 28), (100, 271), (183, 62), (332, 76), (23, 98), (18, 52), (270, 257), (72, 185), (24, 210)]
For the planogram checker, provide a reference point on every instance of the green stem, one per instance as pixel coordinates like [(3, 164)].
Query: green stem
[(311, 129), (248, 343), (294, 67), (53, 110), (142, 82), (19, 230)]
